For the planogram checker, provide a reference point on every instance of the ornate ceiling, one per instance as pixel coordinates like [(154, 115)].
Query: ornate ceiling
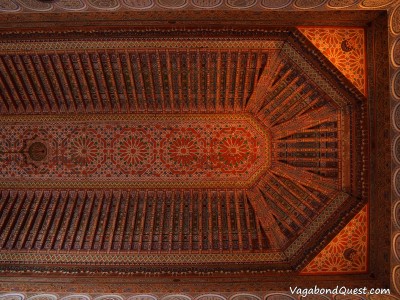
[(182, 151), (247, 145)]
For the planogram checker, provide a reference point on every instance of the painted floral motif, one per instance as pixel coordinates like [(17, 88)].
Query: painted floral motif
[(132, 151), (84, 149), (233, 150), (184, 151), (345, 48), (347, 252), (83, 153), (181, 151)]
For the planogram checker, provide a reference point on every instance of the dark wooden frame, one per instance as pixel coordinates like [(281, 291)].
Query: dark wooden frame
[(375, 23)]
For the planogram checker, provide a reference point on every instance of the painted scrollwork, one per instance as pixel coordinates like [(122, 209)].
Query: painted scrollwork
[(375, 3), (9, 6), (71, 5), (105, 4), (241, 3), (174, 4), (341, 3), (139, 4), (307, 4), (207, 3), (395, 20), (275, 4)]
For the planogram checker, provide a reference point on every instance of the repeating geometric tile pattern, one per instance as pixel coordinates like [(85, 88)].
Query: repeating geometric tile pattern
[(345, 48), (193, 149), (347, 252)]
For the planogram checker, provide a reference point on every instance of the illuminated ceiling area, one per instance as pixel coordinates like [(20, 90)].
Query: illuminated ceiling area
[(144, 160)]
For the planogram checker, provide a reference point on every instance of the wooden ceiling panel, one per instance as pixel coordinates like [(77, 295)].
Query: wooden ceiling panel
[(165, 149), (129, 81)]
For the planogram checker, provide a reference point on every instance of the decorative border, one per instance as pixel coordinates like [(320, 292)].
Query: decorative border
[(121, 5), (155, 44)]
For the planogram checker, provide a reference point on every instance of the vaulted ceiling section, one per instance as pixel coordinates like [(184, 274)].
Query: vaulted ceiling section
[(175, 150)]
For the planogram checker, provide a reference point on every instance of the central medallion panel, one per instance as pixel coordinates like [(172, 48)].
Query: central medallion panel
[(144, 151)]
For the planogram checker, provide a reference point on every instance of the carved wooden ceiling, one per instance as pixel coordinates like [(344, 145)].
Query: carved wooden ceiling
[(175, 151)]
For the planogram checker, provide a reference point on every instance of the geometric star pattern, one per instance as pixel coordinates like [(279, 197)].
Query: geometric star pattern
[(347, 252), (345, 48), (138, 149)]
